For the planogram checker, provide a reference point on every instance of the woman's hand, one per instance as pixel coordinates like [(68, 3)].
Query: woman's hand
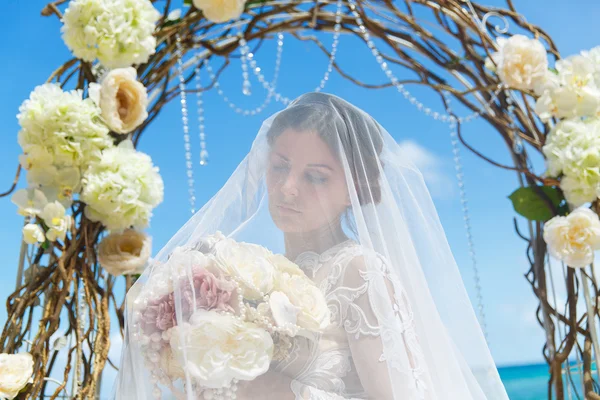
[(272, 384)]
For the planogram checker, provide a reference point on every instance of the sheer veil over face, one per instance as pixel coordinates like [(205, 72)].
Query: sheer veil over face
[(325, 185)]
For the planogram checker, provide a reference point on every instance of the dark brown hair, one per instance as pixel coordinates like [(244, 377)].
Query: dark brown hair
[(339, 122)]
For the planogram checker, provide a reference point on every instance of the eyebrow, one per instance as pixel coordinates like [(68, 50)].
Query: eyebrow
[(309, 165), (321, 166)]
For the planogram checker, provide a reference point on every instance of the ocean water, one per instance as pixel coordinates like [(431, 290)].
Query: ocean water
[(530, 382)]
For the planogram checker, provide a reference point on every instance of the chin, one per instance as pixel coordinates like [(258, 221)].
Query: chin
[(288, 223)]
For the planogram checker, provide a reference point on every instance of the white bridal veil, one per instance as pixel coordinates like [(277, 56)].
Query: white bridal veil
[(402, 326)]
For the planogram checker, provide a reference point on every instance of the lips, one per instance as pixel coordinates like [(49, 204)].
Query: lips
[(287, 209)]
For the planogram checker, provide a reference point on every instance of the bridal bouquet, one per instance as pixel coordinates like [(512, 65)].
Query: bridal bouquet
[(222, 311)]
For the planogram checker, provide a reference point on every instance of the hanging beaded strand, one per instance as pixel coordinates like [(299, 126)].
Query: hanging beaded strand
[(186, 129), (201, 126)]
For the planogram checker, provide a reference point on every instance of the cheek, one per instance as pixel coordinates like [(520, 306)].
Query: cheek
[(330, 199)]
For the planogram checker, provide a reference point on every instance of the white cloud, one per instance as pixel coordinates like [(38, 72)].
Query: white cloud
[(440, 183)]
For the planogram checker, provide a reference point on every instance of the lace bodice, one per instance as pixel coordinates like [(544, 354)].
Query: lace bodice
[(336, 364)]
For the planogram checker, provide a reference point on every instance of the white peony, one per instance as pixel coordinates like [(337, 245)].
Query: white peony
[(33, 234), (283, 264), (520, 62), (573, 149), (60, 134), (574, 238), (122, 99), (220, 10), (15, 373), (125, 253), (57, 221), (575, 90), (122, 188), (119, 33), (30, 201), (216, 348), (314, 313), (249, 263), (283, 311)]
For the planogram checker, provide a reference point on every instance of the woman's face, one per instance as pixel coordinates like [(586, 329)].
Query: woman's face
[(306, 183)]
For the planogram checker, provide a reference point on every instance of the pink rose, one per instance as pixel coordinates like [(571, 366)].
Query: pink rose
[(210, 293)]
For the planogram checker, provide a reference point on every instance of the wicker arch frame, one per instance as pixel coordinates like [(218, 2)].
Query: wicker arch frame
[(444, 52)]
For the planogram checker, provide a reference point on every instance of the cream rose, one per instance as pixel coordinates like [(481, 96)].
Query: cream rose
[(250, 264), (220, 10), (170, 365), (125, 253), (218, 348), (314, 314), (520, 62), (574, 238), (122, 99), (15, 373)]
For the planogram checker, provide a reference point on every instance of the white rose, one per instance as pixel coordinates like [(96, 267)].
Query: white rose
[(217, 348), (122, 99), (31, 202), (314, 313), (125, 253), (574, 238), (220, 10), (33, 234), (520, 61), (15, 373), (249, 263), (56, 220), (283, 311)]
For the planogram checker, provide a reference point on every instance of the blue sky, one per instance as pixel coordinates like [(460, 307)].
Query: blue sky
[(32, 49)]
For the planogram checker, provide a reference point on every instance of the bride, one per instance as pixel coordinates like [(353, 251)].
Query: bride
[(325, 185)]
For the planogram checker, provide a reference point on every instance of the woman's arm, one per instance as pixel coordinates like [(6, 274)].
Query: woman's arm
[(381, 333)]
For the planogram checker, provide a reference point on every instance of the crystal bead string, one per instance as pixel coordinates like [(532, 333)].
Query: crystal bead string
[(186, 129)]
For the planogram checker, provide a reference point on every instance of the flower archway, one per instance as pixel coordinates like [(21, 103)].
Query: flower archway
[(91, 192)]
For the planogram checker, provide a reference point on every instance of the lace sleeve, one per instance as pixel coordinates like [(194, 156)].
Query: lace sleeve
[(379, 323)]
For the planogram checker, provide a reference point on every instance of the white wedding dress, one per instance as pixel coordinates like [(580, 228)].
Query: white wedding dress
[(323, 367), (403, 327)]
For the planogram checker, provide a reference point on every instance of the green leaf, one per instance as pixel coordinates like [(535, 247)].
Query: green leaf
[(553, 70), (528, 203), (187, 2), (45, 245)]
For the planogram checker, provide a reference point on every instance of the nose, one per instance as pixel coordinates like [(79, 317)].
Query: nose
[(290, 187)]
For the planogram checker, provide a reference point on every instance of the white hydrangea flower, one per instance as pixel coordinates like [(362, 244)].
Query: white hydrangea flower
[(59, 130), (574, 91), (122, 188), (573, 149), (520, 62), (119, 33), (57, 221), (33, 234)]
